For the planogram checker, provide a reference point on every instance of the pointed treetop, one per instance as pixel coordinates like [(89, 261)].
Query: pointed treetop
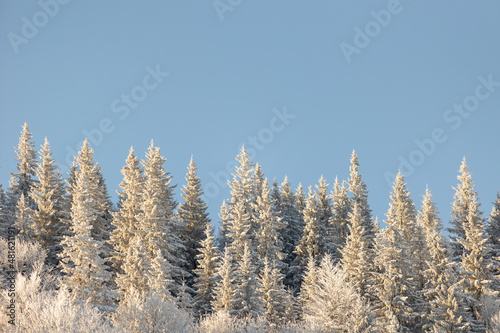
[(354, 159)]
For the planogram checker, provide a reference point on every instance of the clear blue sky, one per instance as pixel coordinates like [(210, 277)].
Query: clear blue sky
[(352, 76)]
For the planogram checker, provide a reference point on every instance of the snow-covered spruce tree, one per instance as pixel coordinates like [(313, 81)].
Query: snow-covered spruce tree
[(100, 221), (247, 297), (493, 230), (307, 287), (244, 190), (125, 220), (193, 212), (335, 303), (274, 295), (24, 219), (48, 194), (239, 232), (184, 299), (137, 270), (86, 275), (325, 217), (140, 235), (394, 257), (389, 284), (153, 232), (206, 273), (285, 204), (225, 220), (359, 195), (269, 244), (301, 200), (445, 310), (157, 220), (22, 181), (340, 220), (475, 263), (259, 179), (465, 193), (357, 257), (224, 291), (313, 242)]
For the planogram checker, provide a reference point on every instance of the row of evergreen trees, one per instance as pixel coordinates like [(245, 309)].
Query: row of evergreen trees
[(272, 239)]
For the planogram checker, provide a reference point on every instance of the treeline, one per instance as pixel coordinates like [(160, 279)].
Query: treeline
[(283, 260)]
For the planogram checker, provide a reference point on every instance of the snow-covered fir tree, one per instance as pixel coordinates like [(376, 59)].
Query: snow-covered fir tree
[(340, 220), (224, 289), (86, 274), (22, 181), (394, 259), (301, 199), (275, 298), (325, 217), (48, 195), (153, 230), (475, 262), (159, 225), (465, 193), (225, 220), (193, 212), (24, 219), (493, 230), (100, 221), (240, 231), (357, 256), (307, 287), (359, 195), (315, 240), (285, 203), (184, 299), (125, 220), (259, 178), (136, 268), (206, 277), (445, 311), (269, 245), (244, 191), (247, 297)]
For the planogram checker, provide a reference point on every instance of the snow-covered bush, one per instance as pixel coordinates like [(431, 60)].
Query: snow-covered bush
[(335, 305), (42, 308), (151, 313), (223, 322), (28, 255)]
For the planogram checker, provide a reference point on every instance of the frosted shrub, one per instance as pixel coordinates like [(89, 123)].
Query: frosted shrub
[(41, 308), (55, 312), (335, 305), (28, 255), (223, 322), (151, 313)]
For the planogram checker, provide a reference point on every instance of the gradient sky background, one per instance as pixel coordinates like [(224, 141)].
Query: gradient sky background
[(227, 76)]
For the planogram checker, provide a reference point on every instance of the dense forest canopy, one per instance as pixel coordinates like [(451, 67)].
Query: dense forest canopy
[(283, 259)]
